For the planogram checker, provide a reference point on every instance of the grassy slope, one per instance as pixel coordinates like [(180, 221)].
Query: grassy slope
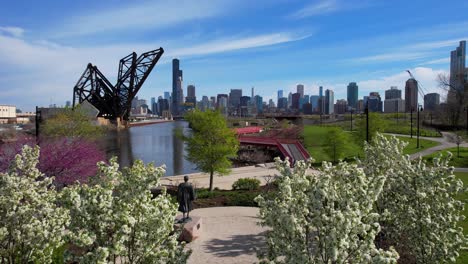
[(314, 140)]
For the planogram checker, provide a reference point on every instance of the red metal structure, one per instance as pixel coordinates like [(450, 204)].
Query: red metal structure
[(290, 148)]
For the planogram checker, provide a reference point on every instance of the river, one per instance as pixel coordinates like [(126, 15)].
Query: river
[(151, 143)]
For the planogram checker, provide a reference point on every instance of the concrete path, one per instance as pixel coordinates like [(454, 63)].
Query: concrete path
[(202, 180), (229, 235), (445, 143)]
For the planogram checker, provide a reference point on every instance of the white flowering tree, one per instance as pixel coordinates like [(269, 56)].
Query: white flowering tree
[(116, 219), (325, 217), (32, 226), (418, 205)]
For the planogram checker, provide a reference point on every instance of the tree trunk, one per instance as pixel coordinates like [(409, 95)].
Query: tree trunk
[(211, 181)]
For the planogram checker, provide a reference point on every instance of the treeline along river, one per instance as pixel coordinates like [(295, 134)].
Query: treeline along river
[(151, 143)]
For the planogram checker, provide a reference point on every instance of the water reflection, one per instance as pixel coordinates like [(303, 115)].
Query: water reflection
[(152, 143)]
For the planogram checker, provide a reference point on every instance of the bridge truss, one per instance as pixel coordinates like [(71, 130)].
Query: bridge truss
[(115, 101)]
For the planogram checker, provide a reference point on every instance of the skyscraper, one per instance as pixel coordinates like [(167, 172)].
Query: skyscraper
[(411, 95), (191, 98), (177, 92), (374, 102), (153, 105), (329, 102), (234, 98), (393, 93), (252, 96), (314, 100), (300, 90), (295, 98), (458, 71), (280, 95), (431, 101), (352, 95), (321, 107), (258, 104)]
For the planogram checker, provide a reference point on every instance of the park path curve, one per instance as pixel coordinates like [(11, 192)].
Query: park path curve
[(229, 235), (444, 141)]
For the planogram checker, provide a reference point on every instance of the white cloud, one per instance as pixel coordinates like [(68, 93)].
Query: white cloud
[(392, 56), (144, 15), (437, 61), (316, 8), (224, 45), (16, 32), (437, 44), (39, 69)]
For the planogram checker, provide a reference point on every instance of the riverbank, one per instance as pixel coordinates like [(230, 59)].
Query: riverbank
[(148, 122)]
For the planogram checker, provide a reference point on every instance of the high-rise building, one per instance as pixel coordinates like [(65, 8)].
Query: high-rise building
[(191, 99), (205, 103), (280, 94), (234, 98), (244, 105), (167, 96), (341, 106), (300, 89), (458, 70), (253, 91), (329, 100), (393, 93), (68, 104), (295, 98), (352, 95), (394, 105), (177, 92), (374, 102), (290, 100), (258, 100), (411, 95), (431, 101), (283, 103), (321, 101), (153, 105), (219, 104), (314, 100), (212, 102)]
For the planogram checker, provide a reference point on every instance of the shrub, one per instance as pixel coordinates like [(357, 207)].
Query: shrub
[(246, 184)]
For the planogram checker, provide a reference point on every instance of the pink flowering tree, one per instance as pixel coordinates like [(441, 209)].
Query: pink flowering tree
[(69, 160)]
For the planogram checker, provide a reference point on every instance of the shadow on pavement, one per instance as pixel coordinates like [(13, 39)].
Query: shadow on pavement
[(236, 245)]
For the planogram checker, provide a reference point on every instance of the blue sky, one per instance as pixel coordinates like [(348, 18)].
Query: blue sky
[(226, 44)]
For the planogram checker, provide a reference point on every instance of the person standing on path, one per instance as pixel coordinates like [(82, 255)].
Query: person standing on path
[(185, 197)]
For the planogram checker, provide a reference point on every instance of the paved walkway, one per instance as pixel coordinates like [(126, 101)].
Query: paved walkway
[(229, 235), (202, 180), (445, 143)]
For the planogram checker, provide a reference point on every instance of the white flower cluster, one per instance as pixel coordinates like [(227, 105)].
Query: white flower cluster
[(31, 223), (420, 212), (339, 214), (114, 219), (323, 218)]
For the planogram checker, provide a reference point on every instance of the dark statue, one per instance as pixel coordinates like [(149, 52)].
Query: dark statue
[(185, 197)]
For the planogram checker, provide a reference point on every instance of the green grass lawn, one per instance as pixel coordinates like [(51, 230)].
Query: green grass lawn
[(314, 140), (464, 197), (412, 143), (460, 162)]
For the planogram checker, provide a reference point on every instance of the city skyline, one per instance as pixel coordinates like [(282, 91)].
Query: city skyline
[(290, 43)]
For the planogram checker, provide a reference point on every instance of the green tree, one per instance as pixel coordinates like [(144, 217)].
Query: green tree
[(211, 143), (376, 124), (72, 123), (336, 141)]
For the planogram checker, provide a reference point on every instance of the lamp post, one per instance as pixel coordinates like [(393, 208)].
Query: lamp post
[(367, 124), (411, 121), (466, 110), (417, 136), (351, 119)]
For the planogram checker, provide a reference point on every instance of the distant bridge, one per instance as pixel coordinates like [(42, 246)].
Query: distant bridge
[(290, 148)]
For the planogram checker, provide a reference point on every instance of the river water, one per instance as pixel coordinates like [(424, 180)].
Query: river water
[(151, 143)]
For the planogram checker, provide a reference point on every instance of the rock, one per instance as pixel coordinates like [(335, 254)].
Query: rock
[(191, 230)]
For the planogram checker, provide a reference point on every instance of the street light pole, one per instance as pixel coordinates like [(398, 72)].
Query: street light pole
[(417, 136), (466, 110), (351, 119), (411, 121), (367, 124)]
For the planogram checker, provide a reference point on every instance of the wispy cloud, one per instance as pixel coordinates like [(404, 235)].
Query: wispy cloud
[(391, 57), (232, 44), (437, 44), (436, 61), (316, 8), (16, 32), (144, 15)]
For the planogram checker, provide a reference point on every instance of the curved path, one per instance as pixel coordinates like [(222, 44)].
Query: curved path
[(229, 235), (445, 143)]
